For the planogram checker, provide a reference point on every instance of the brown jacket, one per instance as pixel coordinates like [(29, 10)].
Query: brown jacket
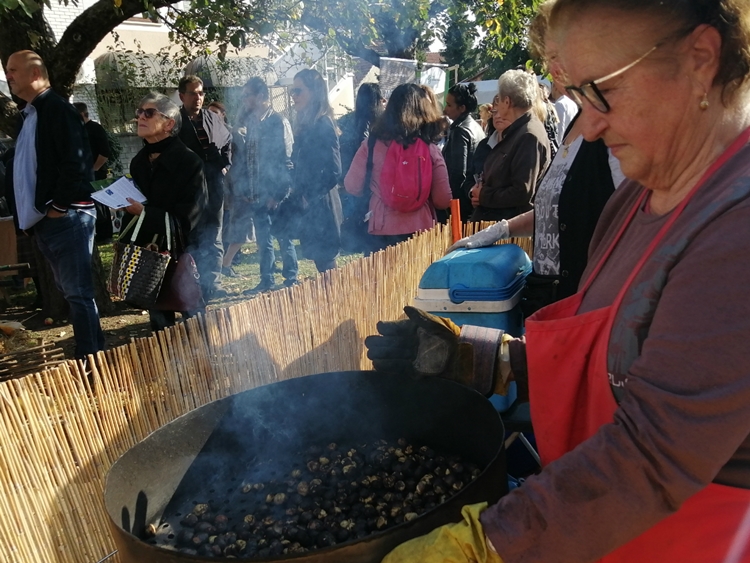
[(513, 169)]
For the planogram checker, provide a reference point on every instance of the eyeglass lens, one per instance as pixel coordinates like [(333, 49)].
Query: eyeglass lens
[(591, 93)]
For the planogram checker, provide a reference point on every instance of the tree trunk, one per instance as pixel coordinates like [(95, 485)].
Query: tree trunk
[(64, 58)]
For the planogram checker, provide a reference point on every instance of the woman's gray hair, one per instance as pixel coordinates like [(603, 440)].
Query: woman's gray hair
[(166, 107), (520, 86)]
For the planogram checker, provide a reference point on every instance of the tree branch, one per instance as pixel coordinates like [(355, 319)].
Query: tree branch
[(177, 30), (20, 32), (83, 35)]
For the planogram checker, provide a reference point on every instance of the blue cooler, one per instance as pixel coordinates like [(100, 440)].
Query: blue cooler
[(481, 287)]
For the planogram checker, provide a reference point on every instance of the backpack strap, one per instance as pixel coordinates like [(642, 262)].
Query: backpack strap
[(371, 140)]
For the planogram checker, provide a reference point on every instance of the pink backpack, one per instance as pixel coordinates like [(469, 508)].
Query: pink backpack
[(406, 179)]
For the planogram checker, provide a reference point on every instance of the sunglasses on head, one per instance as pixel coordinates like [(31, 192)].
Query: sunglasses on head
[(148, 112), (295, 91)]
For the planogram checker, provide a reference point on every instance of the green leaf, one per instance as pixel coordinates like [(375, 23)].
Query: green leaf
[(237, 40)]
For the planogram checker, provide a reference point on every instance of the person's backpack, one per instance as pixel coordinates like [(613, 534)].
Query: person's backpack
[(406, 179)]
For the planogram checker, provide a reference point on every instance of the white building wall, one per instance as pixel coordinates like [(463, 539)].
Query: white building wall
[(61, 15)]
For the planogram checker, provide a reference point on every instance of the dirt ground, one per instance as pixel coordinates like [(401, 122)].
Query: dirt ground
[(119, 326), (124, 322)]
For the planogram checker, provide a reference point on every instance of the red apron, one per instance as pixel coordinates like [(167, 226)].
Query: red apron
[(571, 398)]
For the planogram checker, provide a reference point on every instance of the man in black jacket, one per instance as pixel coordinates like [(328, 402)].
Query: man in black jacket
[(266, 181), (52, 191), (100, 154), (205, 133)]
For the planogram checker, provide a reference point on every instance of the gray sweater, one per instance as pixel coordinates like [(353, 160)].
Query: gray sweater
[(680, 359)]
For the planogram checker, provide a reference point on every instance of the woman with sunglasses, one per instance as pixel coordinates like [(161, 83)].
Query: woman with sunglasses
[(170, 176), (317, 168), (639, 386)]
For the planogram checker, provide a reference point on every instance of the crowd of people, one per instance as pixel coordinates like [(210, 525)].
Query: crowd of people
[(316, 180)]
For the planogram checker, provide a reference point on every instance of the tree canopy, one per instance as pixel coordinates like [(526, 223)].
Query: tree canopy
[(396, 28)]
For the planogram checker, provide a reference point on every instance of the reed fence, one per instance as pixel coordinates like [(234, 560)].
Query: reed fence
[(61, 429)]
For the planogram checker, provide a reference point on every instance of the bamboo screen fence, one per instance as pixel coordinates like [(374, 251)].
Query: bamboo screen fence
[(62, 429)]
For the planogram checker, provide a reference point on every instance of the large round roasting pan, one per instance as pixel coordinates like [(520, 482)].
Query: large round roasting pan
[(205, 454)]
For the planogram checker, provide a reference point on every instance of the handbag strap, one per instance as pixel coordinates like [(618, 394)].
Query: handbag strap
[(139, 221), (177, 235), (133, 221)]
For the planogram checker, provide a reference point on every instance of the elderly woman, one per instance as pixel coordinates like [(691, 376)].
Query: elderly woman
[(170, 176), (639, 387), (515, 164)]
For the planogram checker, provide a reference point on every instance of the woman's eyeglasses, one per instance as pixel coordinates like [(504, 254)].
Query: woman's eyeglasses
[(295, 91), (593, 94), (148, 113), (590, 90)]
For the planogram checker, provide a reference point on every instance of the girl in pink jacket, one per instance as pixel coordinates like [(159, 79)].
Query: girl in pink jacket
[(411, 114)]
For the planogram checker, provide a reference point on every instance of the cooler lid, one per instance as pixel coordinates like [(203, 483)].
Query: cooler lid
[(493, 273)]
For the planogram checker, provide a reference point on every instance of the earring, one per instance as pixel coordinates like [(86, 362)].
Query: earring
[(704, 102)]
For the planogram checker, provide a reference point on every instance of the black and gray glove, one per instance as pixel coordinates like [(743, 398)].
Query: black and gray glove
[(421, 345), (427, 345)]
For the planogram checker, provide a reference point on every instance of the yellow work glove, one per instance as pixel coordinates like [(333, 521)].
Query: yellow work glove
[(464, 542)]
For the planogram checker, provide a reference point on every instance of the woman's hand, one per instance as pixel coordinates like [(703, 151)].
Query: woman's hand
[(135, 208), (474, 194), (463, 541)]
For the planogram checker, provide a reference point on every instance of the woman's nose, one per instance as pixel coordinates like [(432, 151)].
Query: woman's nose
[(593, 122)]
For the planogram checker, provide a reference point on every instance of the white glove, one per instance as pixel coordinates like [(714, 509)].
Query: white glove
[(485, 237)]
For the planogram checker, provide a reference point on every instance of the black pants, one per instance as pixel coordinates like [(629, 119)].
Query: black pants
[(206, 244)]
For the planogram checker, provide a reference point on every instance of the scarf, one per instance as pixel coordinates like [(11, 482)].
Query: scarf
[(159, 146)]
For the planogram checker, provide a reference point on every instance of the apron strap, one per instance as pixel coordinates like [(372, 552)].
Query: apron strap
[(738, 143)]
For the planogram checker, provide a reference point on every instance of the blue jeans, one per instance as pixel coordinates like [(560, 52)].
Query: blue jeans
[(266, 256), (68, 243)]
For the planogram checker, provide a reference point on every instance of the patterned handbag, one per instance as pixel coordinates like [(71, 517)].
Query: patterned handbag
[(138, 272)]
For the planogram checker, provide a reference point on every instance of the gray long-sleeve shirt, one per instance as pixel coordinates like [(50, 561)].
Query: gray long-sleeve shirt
[(680, 364)]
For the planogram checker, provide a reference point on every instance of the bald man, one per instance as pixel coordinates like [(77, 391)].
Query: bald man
[(51, 193)]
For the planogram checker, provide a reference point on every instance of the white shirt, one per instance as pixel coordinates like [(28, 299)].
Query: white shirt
[(566, 110), (24, 171)]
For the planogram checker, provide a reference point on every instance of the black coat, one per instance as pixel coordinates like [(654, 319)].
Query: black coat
[(64, 163), (317, 169), (174, 183), (273, 157), (463, 137), (587, 188)]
